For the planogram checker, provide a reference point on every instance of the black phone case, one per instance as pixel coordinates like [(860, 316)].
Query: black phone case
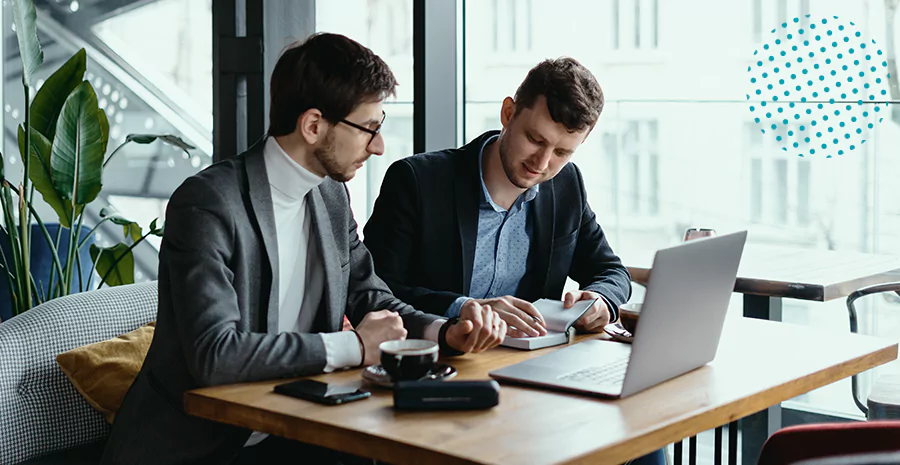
[(288, 389), (446, 395)]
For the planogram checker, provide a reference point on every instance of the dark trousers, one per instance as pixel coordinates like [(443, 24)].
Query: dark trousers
[(275, 449)]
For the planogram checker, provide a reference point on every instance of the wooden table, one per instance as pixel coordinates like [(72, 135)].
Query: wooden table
[(532, 426), (769, 273)]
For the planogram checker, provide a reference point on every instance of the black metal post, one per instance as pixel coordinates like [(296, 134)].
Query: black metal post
[(238, 90)]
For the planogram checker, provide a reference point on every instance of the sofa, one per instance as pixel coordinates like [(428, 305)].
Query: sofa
[(43, 419)]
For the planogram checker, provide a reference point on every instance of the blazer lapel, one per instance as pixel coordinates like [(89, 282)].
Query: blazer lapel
[(261, 201), (466, 193), (321, 229), (544, 217)]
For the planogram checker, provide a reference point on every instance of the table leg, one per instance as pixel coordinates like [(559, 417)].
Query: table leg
[(756, 428), (679, 452), (733, 443), (717, 460)]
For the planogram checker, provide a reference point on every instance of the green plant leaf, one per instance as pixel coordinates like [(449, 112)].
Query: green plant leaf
[(104, 130), (25, 18), (76, 158), (116, 263), (49, 100), (156, 231), (129, 228), (170, 139), (40, 175)]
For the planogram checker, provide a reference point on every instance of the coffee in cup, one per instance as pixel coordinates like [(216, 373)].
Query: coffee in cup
[(628, 316), (408, 359)]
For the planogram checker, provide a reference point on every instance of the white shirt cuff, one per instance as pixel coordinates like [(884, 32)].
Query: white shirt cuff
[(341, 350), (434, 329)]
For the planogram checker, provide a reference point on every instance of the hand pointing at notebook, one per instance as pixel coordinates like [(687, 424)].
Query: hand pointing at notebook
[(596, 317), (521, 317)]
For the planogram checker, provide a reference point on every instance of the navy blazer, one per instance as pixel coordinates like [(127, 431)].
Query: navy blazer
[(423, 229)]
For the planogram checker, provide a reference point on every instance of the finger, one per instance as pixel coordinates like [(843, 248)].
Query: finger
[(498, 332), (599, 322), (466, 328), (531, 322), (474, 312), (461, 334), (513, 319), (513, 332), (589, 316), (503, 305), (529, 309), (402, 334), (484, 333), (571, 298)]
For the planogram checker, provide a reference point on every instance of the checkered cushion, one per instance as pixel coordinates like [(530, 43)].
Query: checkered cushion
[(40, 411)]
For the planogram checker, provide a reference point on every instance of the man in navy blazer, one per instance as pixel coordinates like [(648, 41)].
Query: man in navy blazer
[(504, 219)]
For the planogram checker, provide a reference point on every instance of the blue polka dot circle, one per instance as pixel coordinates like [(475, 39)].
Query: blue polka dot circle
[(833, 108)]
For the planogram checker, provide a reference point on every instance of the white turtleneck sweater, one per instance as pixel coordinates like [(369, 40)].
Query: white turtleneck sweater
[(301, 273)]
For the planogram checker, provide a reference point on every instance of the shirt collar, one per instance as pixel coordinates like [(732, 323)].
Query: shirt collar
[(286, 175), (526, 197)]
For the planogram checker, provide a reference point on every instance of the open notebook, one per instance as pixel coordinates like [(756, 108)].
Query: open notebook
[(559, 324)]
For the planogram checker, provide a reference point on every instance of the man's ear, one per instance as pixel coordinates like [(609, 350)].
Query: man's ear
[(507, 111), (311, 126)]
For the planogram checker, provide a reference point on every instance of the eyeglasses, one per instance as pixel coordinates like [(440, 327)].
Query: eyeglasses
[(373, 132)]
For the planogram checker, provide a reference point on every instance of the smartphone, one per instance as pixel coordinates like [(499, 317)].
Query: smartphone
[(323, 393)]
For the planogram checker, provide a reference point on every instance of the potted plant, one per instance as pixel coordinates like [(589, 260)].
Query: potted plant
[(63, 146)]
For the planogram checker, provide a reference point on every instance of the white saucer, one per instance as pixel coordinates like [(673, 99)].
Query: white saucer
[(619, 333), (376, 374)]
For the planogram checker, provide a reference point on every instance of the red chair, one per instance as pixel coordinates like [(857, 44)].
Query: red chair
[(804, 442)]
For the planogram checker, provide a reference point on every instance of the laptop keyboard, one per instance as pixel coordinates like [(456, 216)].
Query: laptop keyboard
[(612, 372)]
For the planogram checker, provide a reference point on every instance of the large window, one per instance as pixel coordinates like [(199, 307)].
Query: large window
[(677, 145), (161, 85), (385, 26)]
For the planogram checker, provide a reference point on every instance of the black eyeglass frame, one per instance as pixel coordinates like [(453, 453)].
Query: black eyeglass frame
[(373, 132)]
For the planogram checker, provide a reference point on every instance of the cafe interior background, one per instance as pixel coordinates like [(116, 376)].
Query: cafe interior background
[(677, 144)]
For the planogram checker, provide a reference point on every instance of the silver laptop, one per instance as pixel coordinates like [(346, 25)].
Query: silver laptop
[(681, 322)]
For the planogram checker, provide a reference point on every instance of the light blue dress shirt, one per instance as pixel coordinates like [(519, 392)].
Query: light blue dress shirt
[(502, 244)]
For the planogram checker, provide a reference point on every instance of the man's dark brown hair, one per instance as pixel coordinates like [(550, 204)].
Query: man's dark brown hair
[(574, 97), (329, 72)]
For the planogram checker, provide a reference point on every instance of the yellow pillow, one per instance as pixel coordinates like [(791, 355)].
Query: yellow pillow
[(103, 371)]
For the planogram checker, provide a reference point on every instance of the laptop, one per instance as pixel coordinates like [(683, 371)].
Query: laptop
[(681, 322)]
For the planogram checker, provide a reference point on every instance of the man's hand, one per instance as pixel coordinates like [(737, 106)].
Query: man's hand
[(479, 329), (596, 317), (377, 327), (521, 317)]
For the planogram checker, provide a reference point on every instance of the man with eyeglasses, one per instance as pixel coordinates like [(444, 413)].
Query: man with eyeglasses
[(261, 262)]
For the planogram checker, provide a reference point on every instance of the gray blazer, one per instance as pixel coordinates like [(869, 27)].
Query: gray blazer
[(218, 308)]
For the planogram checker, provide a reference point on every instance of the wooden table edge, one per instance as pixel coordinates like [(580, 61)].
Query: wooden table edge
[(715, 417), (322, 434), (397, 452)]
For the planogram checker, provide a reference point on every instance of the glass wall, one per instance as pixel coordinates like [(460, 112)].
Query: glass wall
[(385, 26), (161, 85), (678, 145)]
